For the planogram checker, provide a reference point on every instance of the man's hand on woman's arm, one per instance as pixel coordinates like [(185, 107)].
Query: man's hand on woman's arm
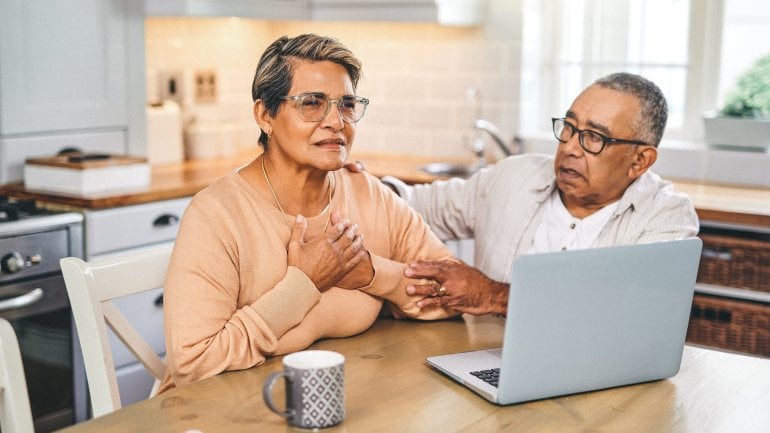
[(458, 286)]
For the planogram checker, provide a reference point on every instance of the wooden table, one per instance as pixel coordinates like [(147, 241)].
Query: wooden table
[(390, 389)]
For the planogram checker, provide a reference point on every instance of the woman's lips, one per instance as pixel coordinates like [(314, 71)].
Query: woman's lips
[(331, 144)]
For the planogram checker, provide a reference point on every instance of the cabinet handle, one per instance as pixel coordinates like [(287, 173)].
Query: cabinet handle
[(166, 220)]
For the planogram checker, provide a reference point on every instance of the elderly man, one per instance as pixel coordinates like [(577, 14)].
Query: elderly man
[(597, 191)]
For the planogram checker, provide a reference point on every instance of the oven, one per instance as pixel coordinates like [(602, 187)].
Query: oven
[(33, 298)]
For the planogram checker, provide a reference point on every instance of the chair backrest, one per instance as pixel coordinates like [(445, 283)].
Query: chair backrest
[(15, 413), (92, 286)]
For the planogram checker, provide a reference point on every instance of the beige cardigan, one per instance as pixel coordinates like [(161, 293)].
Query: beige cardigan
[(230, 299)]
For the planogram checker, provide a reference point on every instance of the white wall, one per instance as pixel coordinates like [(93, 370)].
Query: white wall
[(415, 74)]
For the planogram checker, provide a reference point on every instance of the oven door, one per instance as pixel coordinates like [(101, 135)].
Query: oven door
[(39, 313)]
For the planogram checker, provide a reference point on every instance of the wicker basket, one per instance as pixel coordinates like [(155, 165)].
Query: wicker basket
[(735, 262), (732, 324)]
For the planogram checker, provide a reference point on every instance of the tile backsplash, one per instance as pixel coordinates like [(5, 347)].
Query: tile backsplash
[(415, 74)]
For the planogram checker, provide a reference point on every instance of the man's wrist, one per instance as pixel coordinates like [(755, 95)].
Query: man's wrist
[(500, 299)]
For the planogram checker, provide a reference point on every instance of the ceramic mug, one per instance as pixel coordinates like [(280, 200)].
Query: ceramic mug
[(315, 388)]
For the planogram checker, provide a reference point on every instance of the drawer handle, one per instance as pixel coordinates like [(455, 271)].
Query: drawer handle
[(166, 220)]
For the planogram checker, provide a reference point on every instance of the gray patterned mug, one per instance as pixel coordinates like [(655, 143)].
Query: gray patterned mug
[(315, 388)]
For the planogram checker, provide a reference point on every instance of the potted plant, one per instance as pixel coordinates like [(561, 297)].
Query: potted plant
[(744, 121)]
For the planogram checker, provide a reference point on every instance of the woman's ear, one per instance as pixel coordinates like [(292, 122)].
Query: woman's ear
[(644, 157), (262, 116)]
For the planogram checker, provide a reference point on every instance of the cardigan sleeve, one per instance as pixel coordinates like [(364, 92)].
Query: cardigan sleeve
[(407, 238)]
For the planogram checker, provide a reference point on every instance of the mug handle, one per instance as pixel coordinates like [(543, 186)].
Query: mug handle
[(267, 393)]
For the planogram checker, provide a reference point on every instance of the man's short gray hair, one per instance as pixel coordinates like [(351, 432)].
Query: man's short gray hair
[(653, 107)]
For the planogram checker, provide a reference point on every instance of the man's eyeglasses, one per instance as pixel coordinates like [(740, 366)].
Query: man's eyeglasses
[(314, 107), (591, 141)]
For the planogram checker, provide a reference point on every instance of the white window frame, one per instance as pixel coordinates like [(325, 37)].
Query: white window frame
[(539, 77)]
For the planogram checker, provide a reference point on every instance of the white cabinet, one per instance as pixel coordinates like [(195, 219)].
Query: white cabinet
[(70, 68), (332, 10), (264, 9), (379, 10), (62, 67), (122, 228)]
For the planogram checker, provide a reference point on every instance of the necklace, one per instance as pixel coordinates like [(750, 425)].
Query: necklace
[(278, 203)]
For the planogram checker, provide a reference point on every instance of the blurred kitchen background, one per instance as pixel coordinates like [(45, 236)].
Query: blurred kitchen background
[(524, 60), (173, 77)]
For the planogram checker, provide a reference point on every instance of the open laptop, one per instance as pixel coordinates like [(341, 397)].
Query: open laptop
[(585, 320)]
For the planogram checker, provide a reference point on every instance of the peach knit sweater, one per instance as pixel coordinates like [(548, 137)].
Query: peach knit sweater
[(230, 299)]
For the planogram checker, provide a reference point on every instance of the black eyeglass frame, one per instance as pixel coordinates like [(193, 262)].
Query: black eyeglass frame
[(605, 140), (357, 99)]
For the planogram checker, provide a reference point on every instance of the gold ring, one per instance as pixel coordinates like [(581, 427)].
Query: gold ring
[(442, 291)]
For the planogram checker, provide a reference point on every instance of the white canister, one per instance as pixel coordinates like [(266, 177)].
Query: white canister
[(164, 133), (211, 140)]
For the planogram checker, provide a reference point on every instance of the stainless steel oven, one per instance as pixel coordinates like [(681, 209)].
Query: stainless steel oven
[(34, 299)]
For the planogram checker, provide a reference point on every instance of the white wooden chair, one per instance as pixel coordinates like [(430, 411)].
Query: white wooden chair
[(15, 413), (92, 286)]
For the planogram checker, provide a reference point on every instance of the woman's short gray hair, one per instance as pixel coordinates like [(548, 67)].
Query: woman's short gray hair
[(274, 74), (653, 107)]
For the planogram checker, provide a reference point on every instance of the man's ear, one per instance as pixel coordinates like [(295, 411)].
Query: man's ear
[(262, 116), (644, 157)]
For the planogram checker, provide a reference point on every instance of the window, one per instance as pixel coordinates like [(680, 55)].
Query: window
[(676, 43)]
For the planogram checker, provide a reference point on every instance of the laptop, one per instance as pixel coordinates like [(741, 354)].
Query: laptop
[(585, 320)]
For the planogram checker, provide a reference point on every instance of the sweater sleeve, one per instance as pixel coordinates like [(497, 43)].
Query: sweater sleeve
[(207, 329), (408, 238)]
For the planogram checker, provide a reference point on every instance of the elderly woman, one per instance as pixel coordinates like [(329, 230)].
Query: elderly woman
[(290, 249)]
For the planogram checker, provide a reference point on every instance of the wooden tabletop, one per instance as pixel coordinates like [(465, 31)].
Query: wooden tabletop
[(720, 203), (390, 389)]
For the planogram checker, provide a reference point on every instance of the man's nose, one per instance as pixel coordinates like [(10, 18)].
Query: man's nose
[(572, 145)]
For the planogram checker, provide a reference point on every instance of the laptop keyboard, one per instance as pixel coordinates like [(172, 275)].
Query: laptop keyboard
[(490, 376)]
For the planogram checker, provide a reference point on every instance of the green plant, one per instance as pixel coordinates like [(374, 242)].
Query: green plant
[(750, 96)]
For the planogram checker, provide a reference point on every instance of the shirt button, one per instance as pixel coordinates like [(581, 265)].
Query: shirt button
[(572, 226)]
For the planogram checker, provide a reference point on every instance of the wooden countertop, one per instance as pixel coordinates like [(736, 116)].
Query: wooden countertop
[(390, 389), (717, 203)]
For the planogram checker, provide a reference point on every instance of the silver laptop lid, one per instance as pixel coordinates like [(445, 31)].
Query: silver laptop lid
[(598, 318)]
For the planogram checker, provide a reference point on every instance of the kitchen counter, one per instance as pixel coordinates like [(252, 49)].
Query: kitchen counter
[(715, 203)]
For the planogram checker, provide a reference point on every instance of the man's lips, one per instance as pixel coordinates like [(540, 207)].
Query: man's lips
[(569, 172)]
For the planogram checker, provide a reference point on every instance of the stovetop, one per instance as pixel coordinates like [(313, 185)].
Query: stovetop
[(20, 216)]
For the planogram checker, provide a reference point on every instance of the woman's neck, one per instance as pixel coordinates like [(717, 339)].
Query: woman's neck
[(296, 191)]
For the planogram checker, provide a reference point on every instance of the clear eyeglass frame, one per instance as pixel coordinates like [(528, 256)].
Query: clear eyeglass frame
[(314, 107)]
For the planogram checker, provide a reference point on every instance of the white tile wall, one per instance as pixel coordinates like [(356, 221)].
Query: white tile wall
[(416, 74)]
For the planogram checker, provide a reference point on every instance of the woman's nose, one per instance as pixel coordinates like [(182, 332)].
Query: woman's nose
[(334, 117)]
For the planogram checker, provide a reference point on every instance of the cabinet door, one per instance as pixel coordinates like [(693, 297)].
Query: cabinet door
[(63, 65)]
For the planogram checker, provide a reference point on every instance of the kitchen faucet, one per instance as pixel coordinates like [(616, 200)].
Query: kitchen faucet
[(494, 132)]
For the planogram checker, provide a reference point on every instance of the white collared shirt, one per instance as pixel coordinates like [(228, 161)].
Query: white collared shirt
[(559, 230), (501, 207)]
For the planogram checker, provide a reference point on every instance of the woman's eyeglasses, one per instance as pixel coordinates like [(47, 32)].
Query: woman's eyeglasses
[(314, 107)]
